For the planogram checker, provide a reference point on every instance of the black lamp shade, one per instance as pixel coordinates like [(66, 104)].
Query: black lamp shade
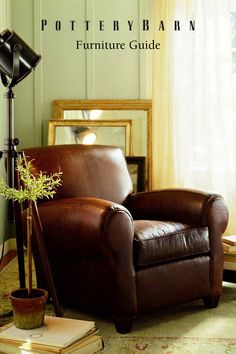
[(28, 59)]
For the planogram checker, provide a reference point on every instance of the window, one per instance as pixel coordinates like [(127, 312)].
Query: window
[(233, 29)]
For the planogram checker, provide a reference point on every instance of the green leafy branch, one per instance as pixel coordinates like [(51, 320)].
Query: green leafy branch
[(32, 186)]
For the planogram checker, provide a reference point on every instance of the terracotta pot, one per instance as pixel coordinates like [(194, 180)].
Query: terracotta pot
[(28, 311)]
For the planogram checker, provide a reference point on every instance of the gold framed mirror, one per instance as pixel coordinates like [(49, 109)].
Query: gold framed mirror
[(102, 132), (138, 111)]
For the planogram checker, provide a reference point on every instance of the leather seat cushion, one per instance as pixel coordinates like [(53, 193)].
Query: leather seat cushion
[(160, 241)]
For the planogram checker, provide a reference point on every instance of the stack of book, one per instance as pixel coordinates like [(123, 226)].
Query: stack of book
[(57, 335), (229, 244)]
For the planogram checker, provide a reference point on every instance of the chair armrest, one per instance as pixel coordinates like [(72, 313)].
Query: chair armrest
[(92, 229), (89, 225), (190, 207), (183, 205)]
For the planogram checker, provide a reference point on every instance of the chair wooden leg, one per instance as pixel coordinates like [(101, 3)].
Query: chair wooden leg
[(211, 301), (124, 326)]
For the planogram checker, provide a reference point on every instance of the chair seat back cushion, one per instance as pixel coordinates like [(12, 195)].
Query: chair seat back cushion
[(88, 170), (162, 241)]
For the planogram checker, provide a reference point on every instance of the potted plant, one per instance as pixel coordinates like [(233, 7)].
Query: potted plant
[(29, 304)]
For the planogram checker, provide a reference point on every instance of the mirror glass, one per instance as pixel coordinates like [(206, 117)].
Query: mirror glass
[(102, 132), (139, 124)]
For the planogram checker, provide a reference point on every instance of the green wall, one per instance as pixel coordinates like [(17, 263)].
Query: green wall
[(22, 16), (4, 23)]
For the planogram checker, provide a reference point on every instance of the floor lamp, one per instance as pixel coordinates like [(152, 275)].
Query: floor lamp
[(17, 60)]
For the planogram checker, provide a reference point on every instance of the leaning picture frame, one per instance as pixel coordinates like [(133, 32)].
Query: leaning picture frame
[(105, 132), (136, 167)]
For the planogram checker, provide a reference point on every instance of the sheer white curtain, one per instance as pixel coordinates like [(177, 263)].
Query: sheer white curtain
[(194, 118)]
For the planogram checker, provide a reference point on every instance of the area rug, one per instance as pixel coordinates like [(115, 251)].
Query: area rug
[(185, 329)]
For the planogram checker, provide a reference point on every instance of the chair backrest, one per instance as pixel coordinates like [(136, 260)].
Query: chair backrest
[(88, 170)]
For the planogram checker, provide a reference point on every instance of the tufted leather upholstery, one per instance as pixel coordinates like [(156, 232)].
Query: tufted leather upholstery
[(122, 253)]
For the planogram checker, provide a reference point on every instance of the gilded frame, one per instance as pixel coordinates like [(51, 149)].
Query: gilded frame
[(126, 124), (136, 167), (59, 106)]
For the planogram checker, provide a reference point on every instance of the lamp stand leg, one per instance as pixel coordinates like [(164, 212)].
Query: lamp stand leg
[(20, 245), (11, 153), (37, 231)]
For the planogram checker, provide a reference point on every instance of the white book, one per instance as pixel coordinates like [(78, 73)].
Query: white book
[(91, 345), (56, 331), (229, 248), (229, 265), (231, 240)]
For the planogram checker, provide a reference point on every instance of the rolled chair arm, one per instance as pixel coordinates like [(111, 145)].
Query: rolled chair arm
[(85, 227), (190, 207), (96, 229), (183, 205)]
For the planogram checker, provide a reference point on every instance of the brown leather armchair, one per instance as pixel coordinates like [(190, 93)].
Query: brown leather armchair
[(122, 253)]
